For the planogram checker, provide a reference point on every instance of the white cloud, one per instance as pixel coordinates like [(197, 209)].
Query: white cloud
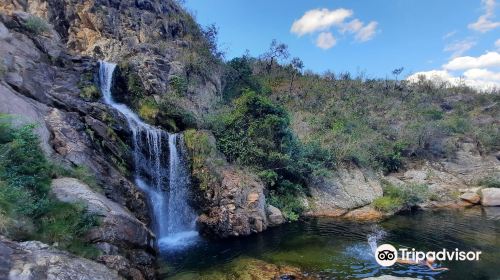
[(449, 34), (325, 40), (490, 59), (318, 20), (474, 79), (353, 26), (482, 74), (485, 22), (367, 32), (458, 48)]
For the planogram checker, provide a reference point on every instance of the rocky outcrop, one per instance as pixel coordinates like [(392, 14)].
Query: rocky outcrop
[(34, 260), (117, 227), (42, 83), (446, 177), (490, 197), (231, 199), (119, 233), (342, 190), (155, 41), (234, 205)]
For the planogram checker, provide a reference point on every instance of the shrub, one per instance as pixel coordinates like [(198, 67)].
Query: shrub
[(90, 92), (148, 110), (172, 116), (256, 133), (400, 197), (387, 204), (36, 25), (290, 205), (178, 84), (490, 182)]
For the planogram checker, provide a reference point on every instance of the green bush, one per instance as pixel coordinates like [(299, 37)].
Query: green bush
[(400, 197), (290, 205), (179, 85), (490, 182), (256, 133), (148, 110), (90, 92), (27, 209), (36, 25), (387, 204)]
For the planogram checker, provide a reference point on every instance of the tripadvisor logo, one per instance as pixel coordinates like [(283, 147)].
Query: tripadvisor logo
[(387, 255)]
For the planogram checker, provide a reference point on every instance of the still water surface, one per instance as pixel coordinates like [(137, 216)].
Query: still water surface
[(339, 249)]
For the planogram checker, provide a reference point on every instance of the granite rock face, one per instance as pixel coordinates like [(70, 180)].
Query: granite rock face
[(45, 84), (341, 191), (33, 260)]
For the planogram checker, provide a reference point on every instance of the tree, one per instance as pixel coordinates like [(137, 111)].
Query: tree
[(396, 72), (276, 51), (296, 67)]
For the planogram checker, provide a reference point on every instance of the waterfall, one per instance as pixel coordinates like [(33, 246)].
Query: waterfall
[(160, 172)]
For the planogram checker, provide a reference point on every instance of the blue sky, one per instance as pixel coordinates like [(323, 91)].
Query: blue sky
[(420, 35)]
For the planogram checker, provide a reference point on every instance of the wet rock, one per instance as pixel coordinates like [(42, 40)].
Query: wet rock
[(274, 216), (490, 197), (471, 197), (366, 213), (34, 260)]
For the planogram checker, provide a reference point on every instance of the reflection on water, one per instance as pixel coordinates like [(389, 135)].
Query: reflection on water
[(332, 248)]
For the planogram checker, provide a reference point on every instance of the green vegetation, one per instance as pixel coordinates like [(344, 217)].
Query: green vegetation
[(27, 209), (88, 89), (173, 116), (3, 68), (402, 197), (148, 109), (200, 149), (36, 25), (255, 132), (90, 92), (490, 182)]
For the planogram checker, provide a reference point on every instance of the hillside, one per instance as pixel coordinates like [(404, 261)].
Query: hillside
[(264, 142)]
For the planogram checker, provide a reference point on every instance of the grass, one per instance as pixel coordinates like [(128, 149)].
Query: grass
[(90, 92), (36, 25), (490, 182), (400, 197), (148, 110)]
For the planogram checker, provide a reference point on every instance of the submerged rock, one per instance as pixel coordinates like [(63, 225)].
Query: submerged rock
[(389, 277), (34, 260)]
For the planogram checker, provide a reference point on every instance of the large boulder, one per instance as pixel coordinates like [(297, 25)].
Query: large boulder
[(34, 260), (119, 233), (235, 205), (274, 216), (490, 197), (342, 190), (118, 225)]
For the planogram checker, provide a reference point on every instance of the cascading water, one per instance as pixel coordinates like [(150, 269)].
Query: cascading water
[(164, 179)]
